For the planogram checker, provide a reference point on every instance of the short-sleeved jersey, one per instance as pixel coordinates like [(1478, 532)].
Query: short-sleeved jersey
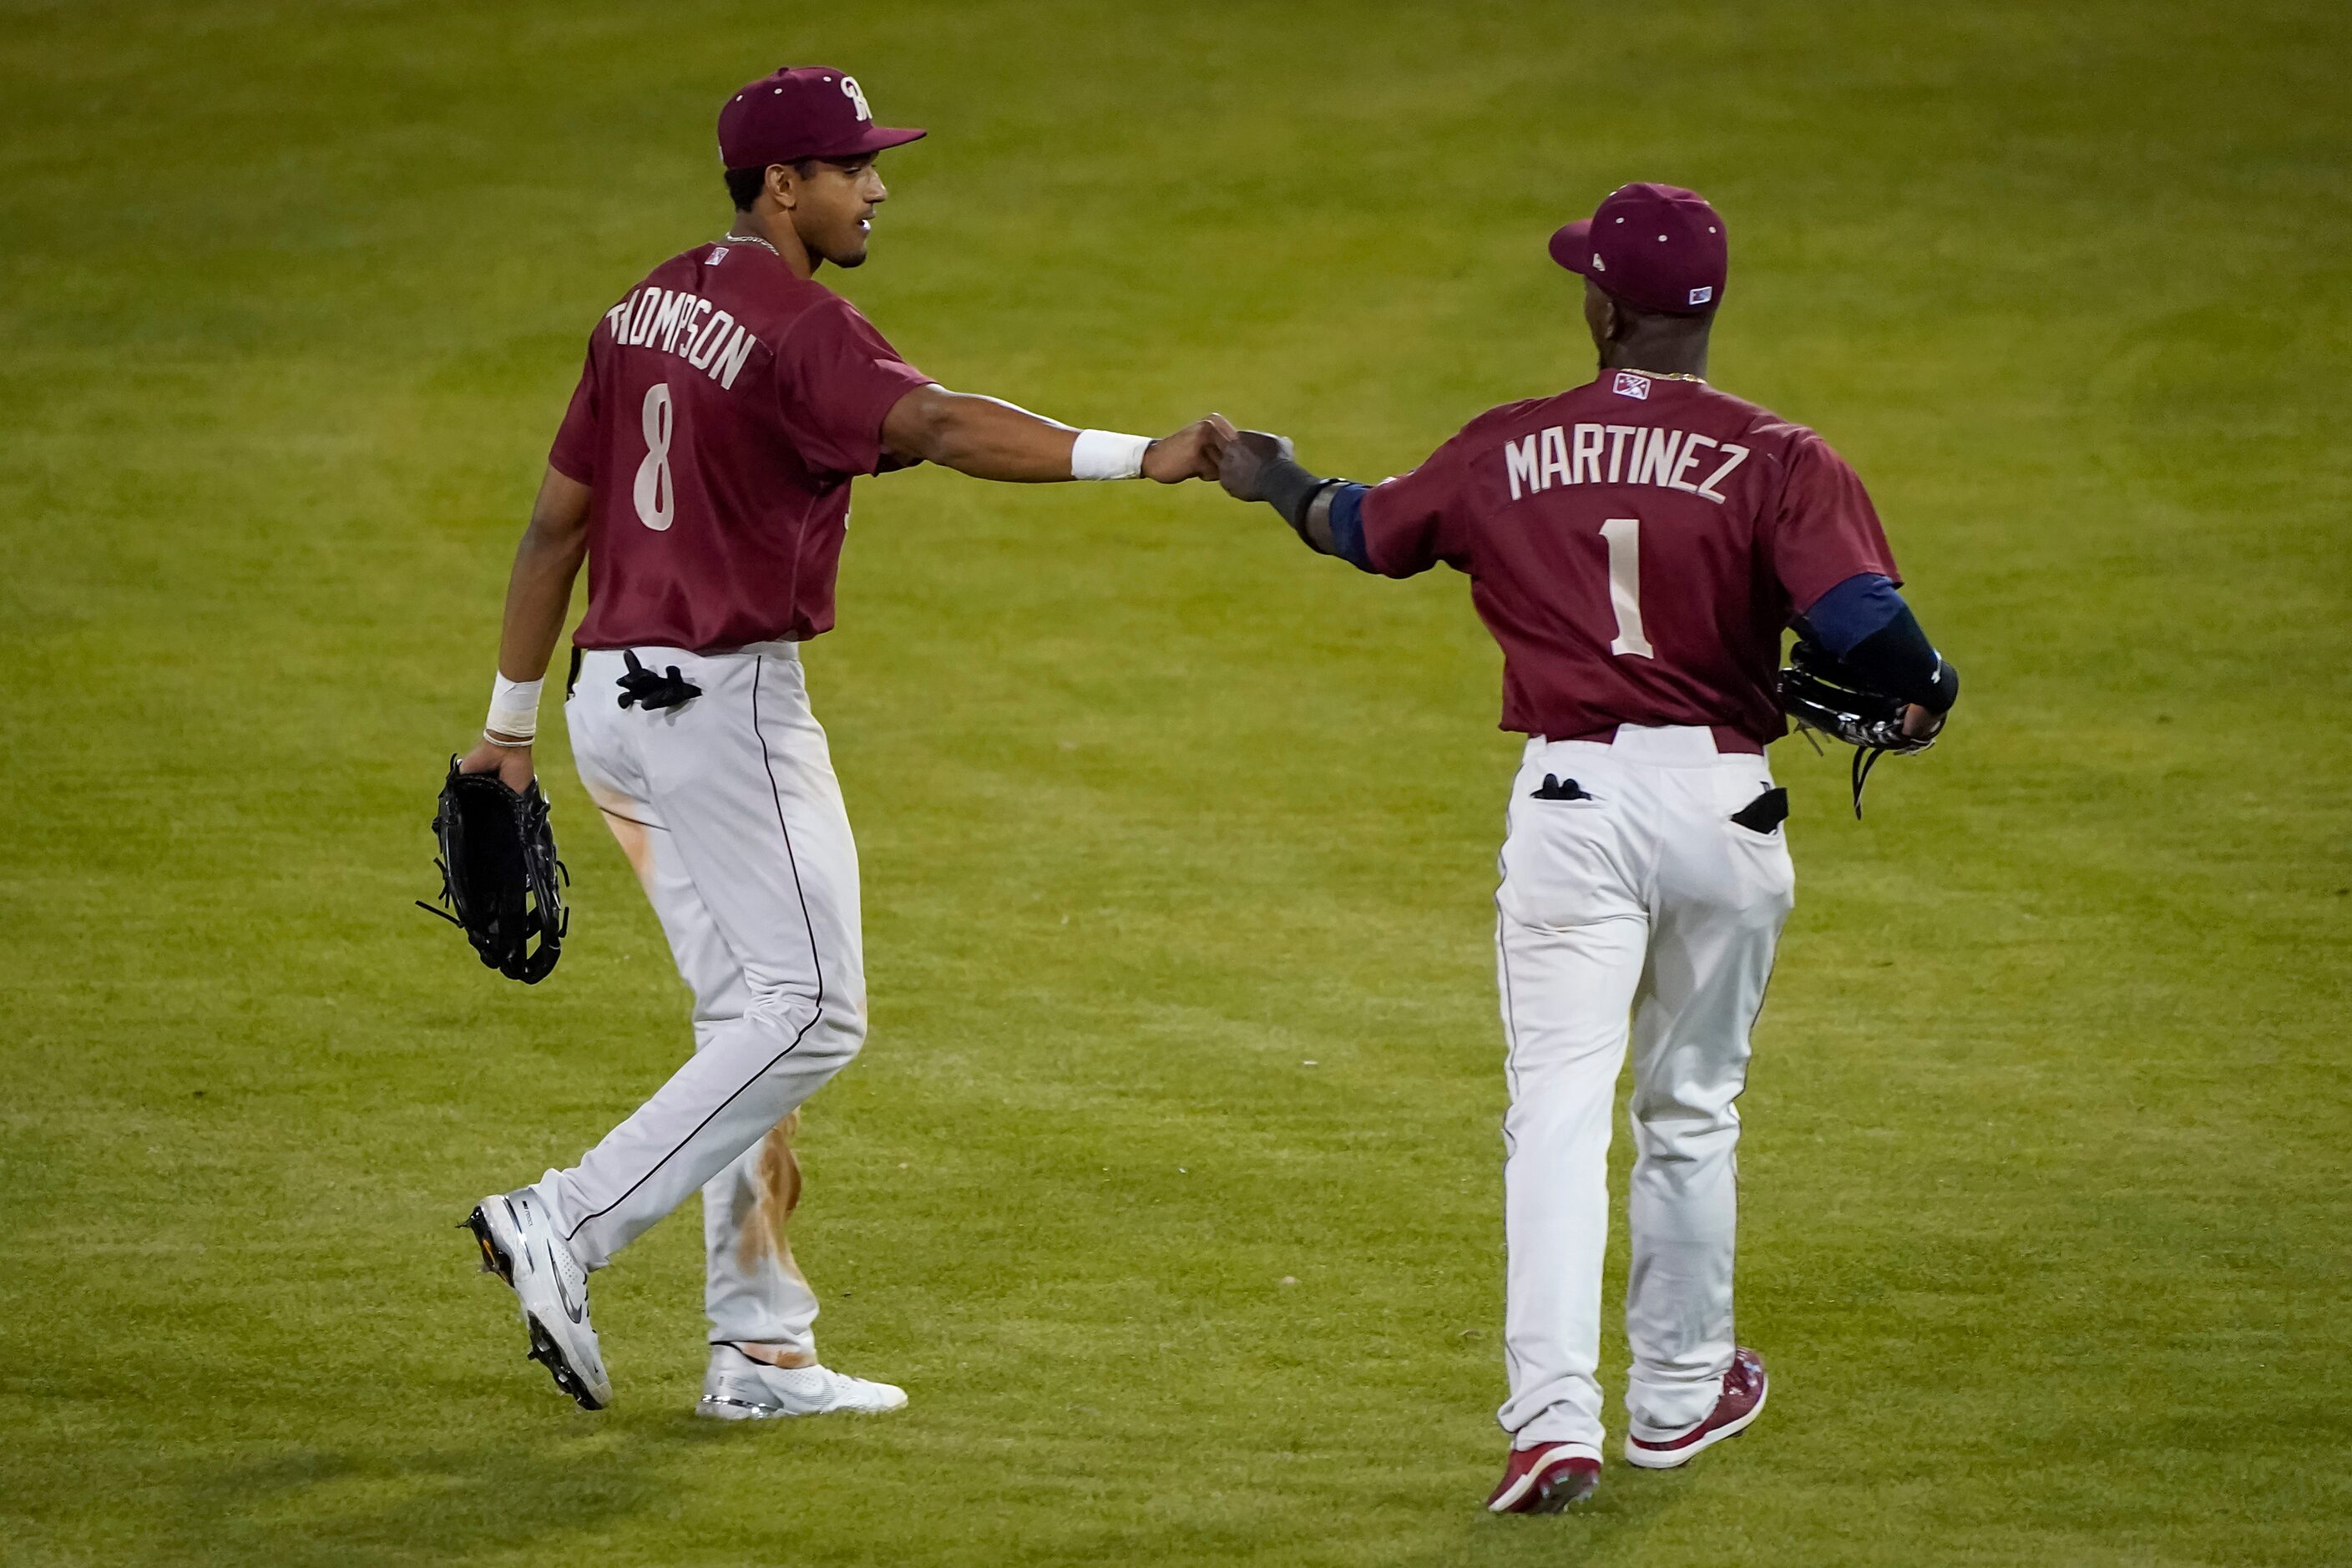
[(1636, 546), (725, 407)]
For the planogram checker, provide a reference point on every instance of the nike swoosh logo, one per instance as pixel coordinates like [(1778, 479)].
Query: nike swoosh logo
[(578, 1314)]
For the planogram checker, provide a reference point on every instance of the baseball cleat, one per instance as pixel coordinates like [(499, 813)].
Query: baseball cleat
[(738, 1388), (1742, 1400), (1545, 1479), (520, 1245)]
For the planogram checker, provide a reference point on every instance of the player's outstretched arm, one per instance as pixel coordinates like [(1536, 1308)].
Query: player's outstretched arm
[(539, 591), (991, 439)]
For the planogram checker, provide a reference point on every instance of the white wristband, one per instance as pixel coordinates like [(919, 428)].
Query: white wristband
[(1107, 454), (514, 708)]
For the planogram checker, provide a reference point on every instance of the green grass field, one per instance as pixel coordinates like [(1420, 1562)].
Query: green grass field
[(2045, 1196)]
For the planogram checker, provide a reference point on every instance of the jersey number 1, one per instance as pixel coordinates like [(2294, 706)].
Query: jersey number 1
[(1624, 537), (656, 493)]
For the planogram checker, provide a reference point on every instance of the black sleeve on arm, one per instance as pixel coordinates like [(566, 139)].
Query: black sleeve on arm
[(1326, 514), (1290, 489), (1898, 659)]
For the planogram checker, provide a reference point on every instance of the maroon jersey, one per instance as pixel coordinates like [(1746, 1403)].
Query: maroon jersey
[(725, 407), (1635, 545)]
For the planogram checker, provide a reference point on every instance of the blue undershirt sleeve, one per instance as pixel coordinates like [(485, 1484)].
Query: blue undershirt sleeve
[(1840, 620), (1347, 526)]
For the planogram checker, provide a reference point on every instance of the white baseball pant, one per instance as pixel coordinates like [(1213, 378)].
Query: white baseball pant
[(1645, 900), (729, 811)]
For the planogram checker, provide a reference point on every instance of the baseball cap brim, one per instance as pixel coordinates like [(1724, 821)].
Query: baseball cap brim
[(1571, 245), (870, 141)]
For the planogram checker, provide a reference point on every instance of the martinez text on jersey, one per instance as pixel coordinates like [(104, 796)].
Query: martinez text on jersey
[(1635, 455)]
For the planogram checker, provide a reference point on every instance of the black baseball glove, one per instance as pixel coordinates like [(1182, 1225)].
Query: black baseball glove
[(500, 876), (1820, 692)]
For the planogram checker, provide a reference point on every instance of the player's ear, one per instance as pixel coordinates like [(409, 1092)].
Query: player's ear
[(784, 188), (1600, 314)]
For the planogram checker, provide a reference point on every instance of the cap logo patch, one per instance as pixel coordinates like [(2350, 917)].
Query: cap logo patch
[(1701, 296), (856, 95), (1599, 264), (1629, 385)]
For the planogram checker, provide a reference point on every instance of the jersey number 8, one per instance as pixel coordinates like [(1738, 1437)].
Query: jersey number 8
[(655, 492)]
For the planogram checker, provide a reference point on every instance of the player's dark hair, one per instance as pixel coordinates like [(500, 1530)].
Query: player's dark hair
[(744, 185)]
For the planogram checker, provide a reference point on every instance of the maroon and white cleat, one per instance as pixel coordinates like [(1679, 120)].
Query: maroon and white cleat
[(1546, 1478), (1741, 1402)]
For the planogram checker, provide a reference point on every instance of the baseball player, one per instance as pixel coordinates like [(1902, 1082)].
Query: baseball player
[(703, 473), (1636, 546)]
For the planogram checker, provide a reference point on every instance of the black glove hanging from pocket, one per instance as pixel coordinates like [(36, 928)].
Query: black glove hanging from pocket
[(642, 687)]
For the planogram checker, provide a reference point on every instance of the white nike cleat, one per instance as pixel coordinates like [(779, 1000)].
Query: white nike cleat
[(521, 1246), (738, 1388)]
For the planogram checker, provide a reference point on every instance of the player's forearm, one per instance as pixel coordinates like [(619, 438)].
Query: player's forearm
[(1865, 623), (536, 596), (539, 591), (1901, 658), (991, 439)]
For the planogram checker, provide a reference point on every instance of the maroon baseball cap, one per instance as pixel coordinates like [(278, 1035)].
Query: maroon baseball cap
[(787, 115), (1660, 247)]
